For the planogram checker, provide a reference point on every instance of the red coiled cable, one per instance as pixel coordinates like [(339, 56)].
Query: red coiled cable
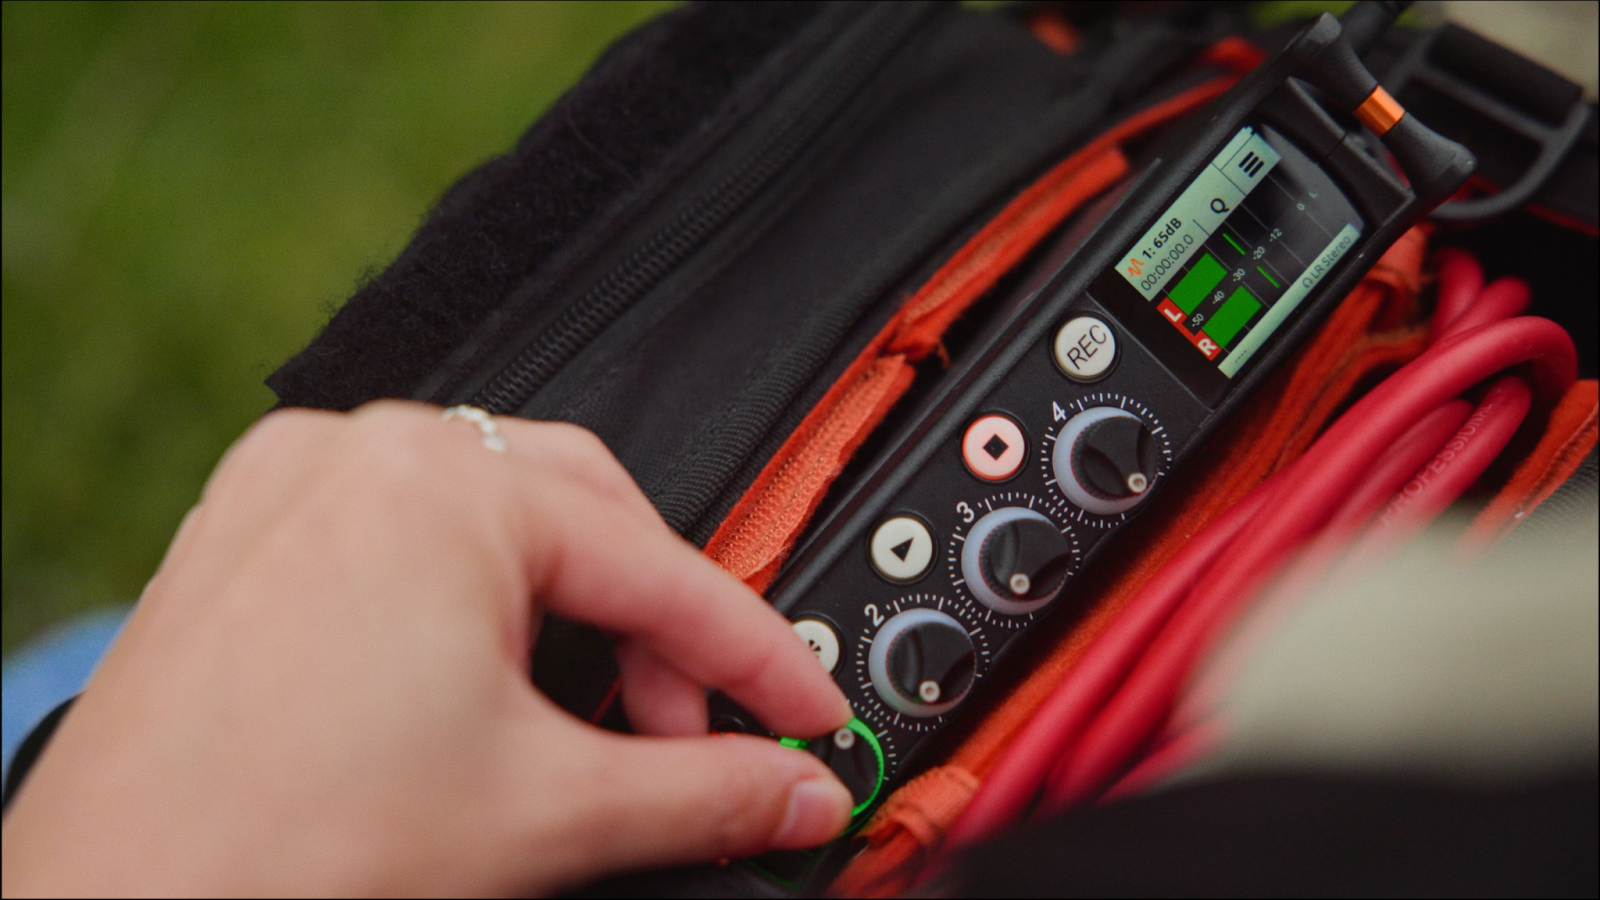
[(1460, 283), (1415, 448), (1456, 465), (1119, 697)]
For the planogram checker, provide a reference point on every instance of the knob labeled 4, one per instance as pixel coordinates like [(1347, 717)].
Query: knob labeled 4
[(1106, 460)]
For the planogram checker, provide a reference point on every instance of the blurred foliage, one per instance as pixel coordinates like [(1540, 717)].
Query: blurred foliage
[(189, 191)]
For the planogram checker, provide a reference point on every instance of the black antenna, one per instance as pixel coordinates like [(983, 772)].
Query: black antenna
[(1367, 20)]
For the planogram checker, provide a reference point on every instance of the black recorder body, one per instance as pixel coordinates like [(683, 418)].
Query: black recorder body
[(1233, 242)]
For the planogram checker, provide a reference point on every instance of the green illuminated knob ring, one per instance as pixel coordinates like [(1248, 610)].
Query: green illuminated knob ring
[(855, 756)]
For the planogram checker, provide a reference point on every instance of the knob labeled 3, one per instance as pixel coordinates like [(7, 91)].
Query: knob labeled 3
[(1015, 560)]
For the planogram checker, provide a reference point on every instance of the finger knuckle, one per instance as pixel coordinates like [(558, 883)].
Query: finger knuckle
[(404, 452), (410, 463), (265, 443), (585, 448), (402, 457), (754, 670), (391, 408), (278, 429)]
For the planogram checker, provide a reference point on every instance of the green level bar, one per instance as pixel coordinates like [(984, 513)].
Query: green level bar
[(1224, 324), (1194, 286), (1234, 243)]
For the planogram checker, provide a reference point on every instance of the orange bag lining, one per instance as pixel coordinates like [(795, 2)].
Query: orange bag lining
[(1567, 439), (1287, 416)]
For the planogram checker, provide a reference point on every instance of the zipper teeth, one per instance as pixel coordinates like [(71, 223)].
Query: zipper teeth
[(620, 287), (650, 263)]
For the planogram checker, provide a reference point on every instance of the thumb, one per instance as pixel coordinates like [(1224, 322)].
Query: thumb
[(690, 799)]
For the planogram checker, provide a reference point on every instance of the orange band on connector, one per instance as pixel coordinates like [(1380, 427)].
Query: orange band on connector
[(1379, 111)]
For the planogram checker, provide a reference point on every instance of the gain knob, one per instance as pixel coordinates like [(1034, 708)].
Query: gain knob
[(854, 755), (922, 662), (1015, 560), (1105, 460)]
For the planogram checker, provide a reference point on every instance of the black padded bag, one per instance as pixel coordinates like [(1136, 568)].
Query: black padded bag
[(686, 251), (680, 252), (690, 247)]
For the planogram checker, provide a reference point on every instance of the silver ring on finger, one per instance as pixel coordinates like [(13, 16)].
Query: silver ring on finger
[(492, 438)]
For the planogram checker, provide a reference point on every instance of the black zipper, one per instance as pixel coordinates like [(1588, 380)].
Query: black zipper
[(669, 247)]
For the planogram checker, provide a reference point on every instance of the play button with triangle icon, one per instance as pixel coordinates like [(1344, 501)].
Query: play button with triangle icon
[(902, 549)]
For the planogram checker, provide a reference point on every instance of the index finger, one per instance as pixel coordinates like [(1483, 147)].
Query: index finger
[(600, 563)]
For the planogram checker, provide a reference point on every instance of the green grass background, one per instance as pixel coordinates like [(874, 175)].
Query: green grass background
[(189, 190)]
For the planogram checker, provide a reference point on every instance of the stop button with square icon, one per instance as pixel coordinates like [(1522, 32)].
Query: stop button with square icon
[(994, 447)]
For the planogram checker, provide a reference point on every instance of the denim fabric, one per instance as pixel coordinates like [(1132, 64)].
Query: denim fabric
[(49, 669)]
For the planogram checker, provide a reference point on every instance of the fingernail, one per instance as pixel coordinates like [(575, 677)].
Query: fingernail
[(818, 810)]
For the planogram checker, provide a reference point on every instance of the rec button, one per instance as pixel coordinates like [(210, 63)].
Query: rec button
[(1085, 348)]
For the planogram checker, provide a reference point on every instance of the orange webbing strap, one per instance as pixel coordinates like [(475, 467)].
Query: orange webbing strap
[(760, 530), (1363, 338), (1568, 438)]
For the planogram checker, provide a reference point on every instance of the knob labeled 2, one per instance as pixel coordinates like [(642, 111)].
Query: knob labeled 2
[(1105, 460), (1015, 560), (922, 662)]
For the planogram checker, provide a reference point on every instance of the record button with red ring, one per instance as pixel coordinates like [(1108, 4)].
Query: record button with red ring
[(994, 447)]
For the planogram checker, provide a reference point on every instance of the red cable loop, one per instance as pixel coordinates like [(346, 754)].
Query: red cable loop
[(1409, 453), (1328, 472), (1120, 694), (1460, 282), (1503, 299), (1390, 473), (1012, 783), (1456, 466)]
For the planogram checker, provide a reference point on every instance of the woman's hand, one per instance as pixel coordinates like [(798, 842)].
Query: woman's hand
[(324, 689)]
